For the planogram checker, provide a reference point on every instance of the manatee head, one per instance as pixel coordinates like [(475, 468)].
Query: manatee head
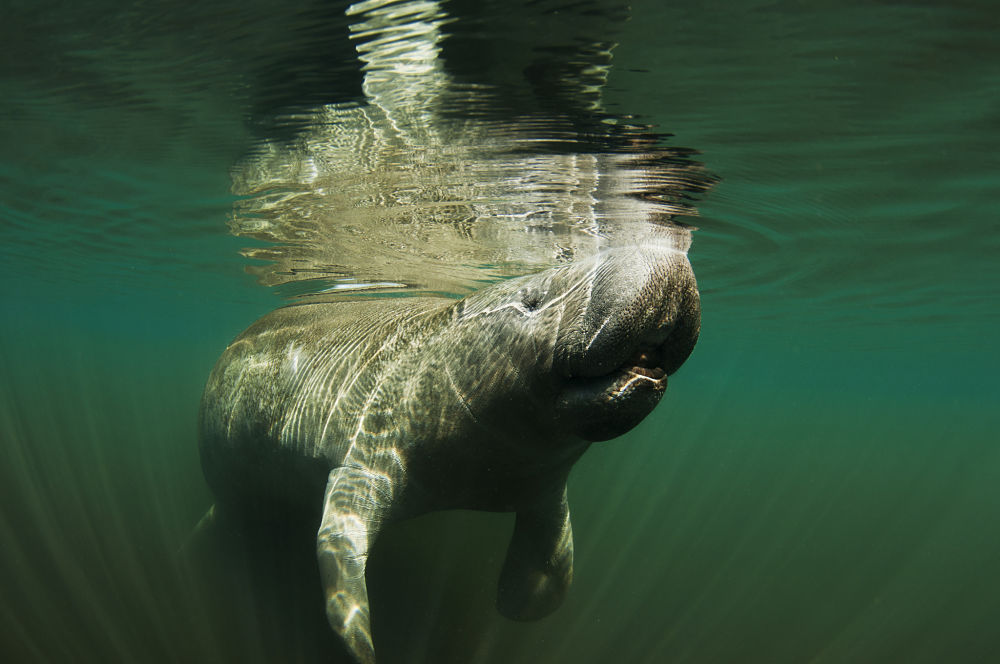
[(592, 342)]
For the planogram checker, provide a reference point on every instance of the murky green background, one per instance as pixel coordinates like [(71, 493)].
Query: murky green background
[(821, 483)]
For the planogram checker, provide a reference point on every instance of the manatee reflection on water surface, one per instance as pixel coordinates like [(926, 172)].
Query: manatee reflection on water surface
[(431, 179)]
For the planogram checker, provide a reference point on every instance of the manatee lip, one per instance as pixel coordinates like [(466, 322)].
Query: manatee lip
[(647, 359), (644, 362)]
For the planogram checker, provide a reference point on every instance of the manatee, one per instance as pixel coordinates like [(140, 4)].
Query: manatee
[(359, 413)]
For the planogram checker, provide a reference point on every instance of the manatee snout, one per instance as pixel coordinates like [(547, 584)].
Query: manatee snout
[(638, 325), (636, 299)]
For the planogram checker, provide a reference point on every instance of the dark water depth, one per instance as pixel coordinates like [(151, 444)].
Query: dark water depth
[(819, 484)]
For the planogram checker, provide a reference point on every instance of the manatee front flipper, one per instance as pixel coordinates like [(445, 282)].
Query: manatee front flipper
[(356, 505), (539, 565)]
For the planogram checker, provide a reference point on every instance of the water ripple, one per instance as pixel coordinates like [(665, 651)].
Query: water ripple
[(442, 181)]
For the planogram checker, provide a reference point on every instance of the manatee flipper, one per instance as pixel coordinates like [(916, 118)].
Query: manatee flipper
[(539, 567), (356, 504)]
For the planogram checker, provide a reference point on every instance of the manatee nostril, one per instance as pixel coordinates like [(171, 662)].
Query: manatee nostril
[(531, 299)]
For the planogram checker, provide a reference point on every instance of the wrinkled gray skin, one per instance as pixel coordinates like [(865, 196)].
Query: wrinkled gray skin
[(403, 406)]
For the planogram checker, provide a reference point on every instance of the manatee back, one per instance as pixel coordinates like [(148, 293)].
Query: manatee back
[(285, 401)]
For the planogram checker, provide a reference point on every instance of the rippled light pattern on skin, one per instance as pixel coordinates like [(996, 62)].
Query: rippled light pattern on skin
[(409, 405)]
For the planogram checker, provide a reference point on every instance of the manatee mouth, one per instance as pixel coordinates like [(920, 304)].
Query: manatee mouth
[(608, 395), (605, 406), (645, 362), (652, 360), (642, 377), (641, 374)]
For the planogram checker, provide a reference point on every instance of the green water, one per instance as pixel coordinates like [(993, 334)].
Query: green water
[(821, 482)]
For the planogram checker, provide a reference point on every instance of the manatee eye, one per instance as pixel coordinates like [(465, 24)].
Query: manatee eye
[(531, 299)]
